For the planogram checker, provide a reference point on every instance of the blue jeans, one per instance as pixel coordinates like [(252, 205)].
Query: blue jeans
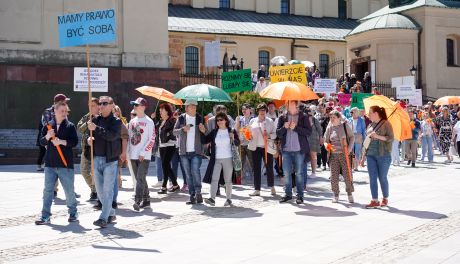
[(295, 158), (105, 174), (305, 173), (427, 145), (66, 177), (159, 168), (175, 162), (192, 164), (115, 186), (378, 167)]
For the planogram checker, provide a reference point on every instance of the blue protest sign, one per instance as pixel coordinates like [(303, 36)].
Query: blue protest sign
[(92, 27)]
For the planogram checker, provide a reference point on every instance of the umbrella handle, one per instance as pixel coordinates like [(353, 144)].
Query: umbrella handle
[(157, 104)]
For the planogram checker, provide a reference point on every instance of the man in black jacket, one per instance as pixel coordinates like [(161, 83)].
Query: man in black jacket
[(59, 141), (107, 149)]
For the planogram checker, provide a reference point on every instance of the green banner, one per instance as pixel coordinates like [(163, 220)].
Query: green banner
[(357, 99), (237, 81)]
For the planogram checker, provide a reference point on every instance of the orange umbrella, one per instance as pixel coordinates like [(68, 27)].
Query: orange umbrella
[(61, 155), (160, 94), (398, 118), (288, 91), (447, 100)]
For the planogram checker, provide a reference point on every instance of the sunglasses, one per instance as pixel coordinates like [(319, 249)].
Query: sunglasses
[(103, 103)]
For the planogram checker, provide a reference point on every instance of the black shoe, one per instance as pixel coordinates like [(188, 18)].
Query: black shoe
[(228, 203), (192, 200), (199, 198), (285, 199), (145, 204), (413, 165), (111, 219), (408, 162), (77, 195), (98, 205), (55, 194), (93, 196), (210, 201), (43, 221), (100, 223), (136, 206), (163, 191), (73, 218), (114, 205), (299, 200), (218, 192), (174, 189)]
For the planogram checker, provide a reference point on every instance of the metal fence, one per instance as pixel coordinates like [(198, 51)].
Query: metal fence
[(212, 78), (385, 89)]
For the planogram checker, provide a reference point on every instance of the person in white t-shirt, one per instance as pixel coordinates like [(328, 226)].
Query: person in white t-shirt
[(261, 84), (141, 140)]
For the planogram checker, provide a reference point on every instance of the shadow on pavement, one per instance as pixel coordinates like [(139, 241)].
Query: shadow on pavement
[(230, 212), (417, 214), (322, 211), (124, 212), (75, 228), (117, 233), (127, 249)]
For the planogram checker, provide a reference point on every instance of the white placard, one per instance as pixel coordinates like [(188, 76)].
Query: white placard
[(418, 98), (99, 80), (212, 54), (405, 92), (326, 86), (404, 80)]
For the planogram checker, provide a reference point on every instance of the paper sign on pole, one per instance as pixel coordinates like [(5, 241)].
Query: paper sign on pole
[(344, 99), (357, 99), (404, 80), (293, 73), (92, 27), (237, 81), (417, 101), (326, 86), (99, 79), (212, 54), (405, 92)]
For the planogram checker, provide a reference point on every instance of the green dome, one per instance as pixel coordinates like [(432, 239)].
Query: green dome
[(387, 21)]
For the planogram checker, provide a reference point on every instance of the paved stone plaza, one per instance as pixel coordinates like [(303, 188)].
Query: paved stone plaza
[(422, 224)]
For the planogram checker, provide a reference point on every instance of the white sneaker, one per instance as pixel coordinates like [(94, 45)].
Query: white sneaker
[(158, 184), (350, 198), (313, 175), (255, 193), (335, 199), (273, 190)]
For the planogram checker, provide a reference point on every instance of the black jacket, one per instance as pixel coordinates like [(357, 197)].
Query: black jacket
[(108, 129), (303, 129), (211, 138), (166, 132), (68, 132)]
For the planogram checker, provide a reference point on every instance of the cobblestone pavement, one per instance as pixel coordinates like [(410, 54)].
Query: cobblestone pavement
[(421, 207)]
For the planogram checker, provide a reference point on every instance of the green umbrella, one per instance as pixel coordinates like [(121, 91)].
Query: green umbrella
[(203, 92), (292, 62)]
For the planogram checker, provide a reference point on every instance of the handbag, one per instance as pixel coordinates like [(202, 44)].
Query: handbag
[(236, 159)]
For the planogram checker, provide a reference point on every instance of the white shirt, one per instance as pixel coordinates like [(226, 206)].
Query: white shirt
[(223, 147), (190, 120), (254, 77), (457, 130), (257, 129), (260, 86), (355, 124), (141, 137)]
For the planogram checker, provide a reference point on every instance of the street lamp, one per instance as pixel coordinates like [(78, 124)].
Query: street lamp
[(413, 70), (233, 60)]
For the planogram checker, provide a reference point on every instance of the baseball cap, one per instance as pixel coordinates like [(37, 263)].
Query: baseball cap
[(139, 101), (191, 102), (60, 97)]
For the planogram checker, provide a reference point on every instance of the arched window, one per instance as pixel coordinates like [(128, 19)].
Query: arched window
[(192, 60), (224, 4), (342, 8), (264, 58), (285, 6), (450, 52), (324, 65)]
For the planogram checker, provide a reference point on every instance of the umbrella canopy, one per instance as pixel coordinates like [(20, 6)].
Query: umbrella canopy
[(278, 60), (308, 64), (292, 62), (203, 92), (447, 100), (398, 118), (288, 91), (160, 94)]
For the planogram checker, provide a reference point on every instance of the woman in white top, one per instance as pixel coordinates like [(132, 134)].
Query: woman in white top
[(427, 136), (456, 133), (263, 131), (167, 147), (221, 139)]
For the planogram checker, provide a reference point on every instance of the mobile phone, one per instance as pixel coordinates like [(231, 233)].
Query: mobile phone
[(190, 125)]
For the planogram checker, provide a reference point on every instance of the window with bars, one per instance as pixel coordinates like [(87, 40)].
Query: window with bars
[(342, 8), (324, 65), (264, 58), (192, 61), (285, 6), (450, 52), (224, 4)]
